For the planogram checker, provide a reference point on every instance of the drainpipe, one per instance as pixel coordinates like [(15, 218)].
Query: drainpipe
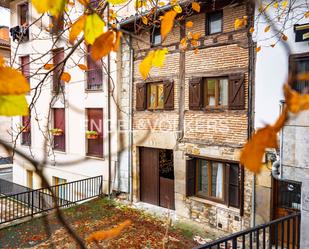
[(130, 132), (281, 143), (109, 117)]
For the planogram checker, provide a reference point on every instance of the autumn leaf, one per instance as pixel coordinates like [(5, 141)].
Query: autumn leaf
[(189, 24), (13, 105), (276, 5), (145, 20), (196, 36), (284, 37), (116, 2), (240, 22), (177, 8), (12, 82), (196, 6), (267, 28), (94, 26), (258, 49), (54, 7), (103, 45), (284, 4), (82, 67), (159, 57), (295, 102), (251, 30), (146, 64), (167, 22), (76, 28), (303, 76), (66, 77), (307, 14), (48, 66), (109, 234), (117, 42), (84, 2)]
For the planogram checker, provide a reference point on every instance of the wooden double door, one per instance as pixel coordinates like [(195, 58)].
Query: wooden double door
[(157, 177)]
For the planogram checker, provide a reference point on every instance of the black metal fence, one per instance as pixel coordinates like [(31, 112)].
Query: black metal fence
[(16, 205), (280, 233)]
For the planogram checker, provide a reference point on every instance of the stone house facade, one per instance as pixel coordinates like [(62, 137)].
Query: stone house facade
[(191, 118)]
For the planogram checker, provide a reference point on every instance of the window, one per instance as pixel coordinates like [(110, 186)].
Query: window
[(214, 22), (155, 36), (61, 190), (155, 96), (95, 124), (26, 130), (301, 65), (288, 194), (29, 178), (56, 24), (220, 92), (58, 56), (23, 14), (58, 130), (25, 66), (94, 73), (215, 180)]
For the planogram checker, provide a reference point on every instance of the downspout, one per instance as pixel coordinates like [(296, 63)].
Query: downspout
[(130, 132), (250, 118), (109, 118)]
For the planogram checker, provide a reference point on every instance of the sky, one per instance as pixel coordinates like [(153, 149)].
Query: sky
[(4, 17)]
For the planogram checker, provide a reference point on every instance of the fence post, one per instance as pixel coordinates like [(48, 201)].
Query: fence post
[(101, 185), (32, 203)]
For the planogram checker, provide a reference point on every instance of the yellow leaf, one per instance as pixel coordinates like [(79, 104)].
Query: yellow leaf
[(159, 57), (295, 102), (115, 2), (284, 37), (84, 2), (258, 49), (93, 28), (183, 42), (178, 9), (2, 62), (76, 28), (66, 77), (108, 234), (161, 4), (117, 42), (251, 30), (48, 66), (196, 6), (12, 82), (13, 105), (54, 7), (307, 14), (284, 4), (146, 64), (82, 67), (103, 45), (189, 24), (267, 28), (167, 22), (195, 50), (145, 20), (240, 23), (196, 36), (276, 4)]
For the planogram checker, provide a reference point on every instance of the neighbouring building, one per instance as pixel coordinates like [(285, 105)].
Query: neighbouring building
[(5, 122), (191, 118), (282, 196), (60, 113)]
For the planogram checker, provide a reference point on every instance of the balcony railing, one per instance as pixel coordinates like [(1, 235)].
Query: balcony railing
[(280, 233)]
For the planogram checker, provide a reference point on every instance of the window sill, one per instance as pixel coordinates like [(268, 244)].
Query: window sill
[(95, 157), (93, 90), (213, 203), (59, 151)]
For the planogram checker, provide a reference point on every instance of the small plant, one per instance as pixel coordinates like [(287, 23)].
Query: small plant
[(92, 134), (56, 132), (24, 128)]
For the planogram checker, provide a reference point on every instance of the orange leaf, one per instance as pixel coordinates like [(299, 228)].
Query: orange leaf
[(196, 36), (145, 20), (258, 49), (295, 102), (12, 82), (167, 22), (307, 14), (267, 28), (196, 6), (103, 45), (48, 66), (117, 42), (303, 76), (196, 50), (284, 37), (66, 77), (108, 234), (2, 62), (251, 30), (76, 28), (189, 24), (84, 2), (82, 67)]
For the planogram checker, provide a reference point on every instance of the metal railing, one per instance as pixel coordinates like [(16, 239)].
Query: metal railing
[(279, 233), (15, 206)]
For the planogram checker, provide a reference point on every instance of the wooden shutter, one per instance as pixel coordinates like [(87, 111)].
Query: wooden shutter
[(190, 177), (58, 56), (26, 134), (23, 18), (237, 91), (25, 66), (169, 95), (59, 123), (234, 185), (196, 93), (94, 73), (95, 123), (140, 97)]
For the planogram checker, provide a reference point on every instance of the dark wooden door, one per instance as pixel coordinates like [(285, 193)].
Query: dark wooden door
[(149, 175), (286, 199), (167, 193)]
